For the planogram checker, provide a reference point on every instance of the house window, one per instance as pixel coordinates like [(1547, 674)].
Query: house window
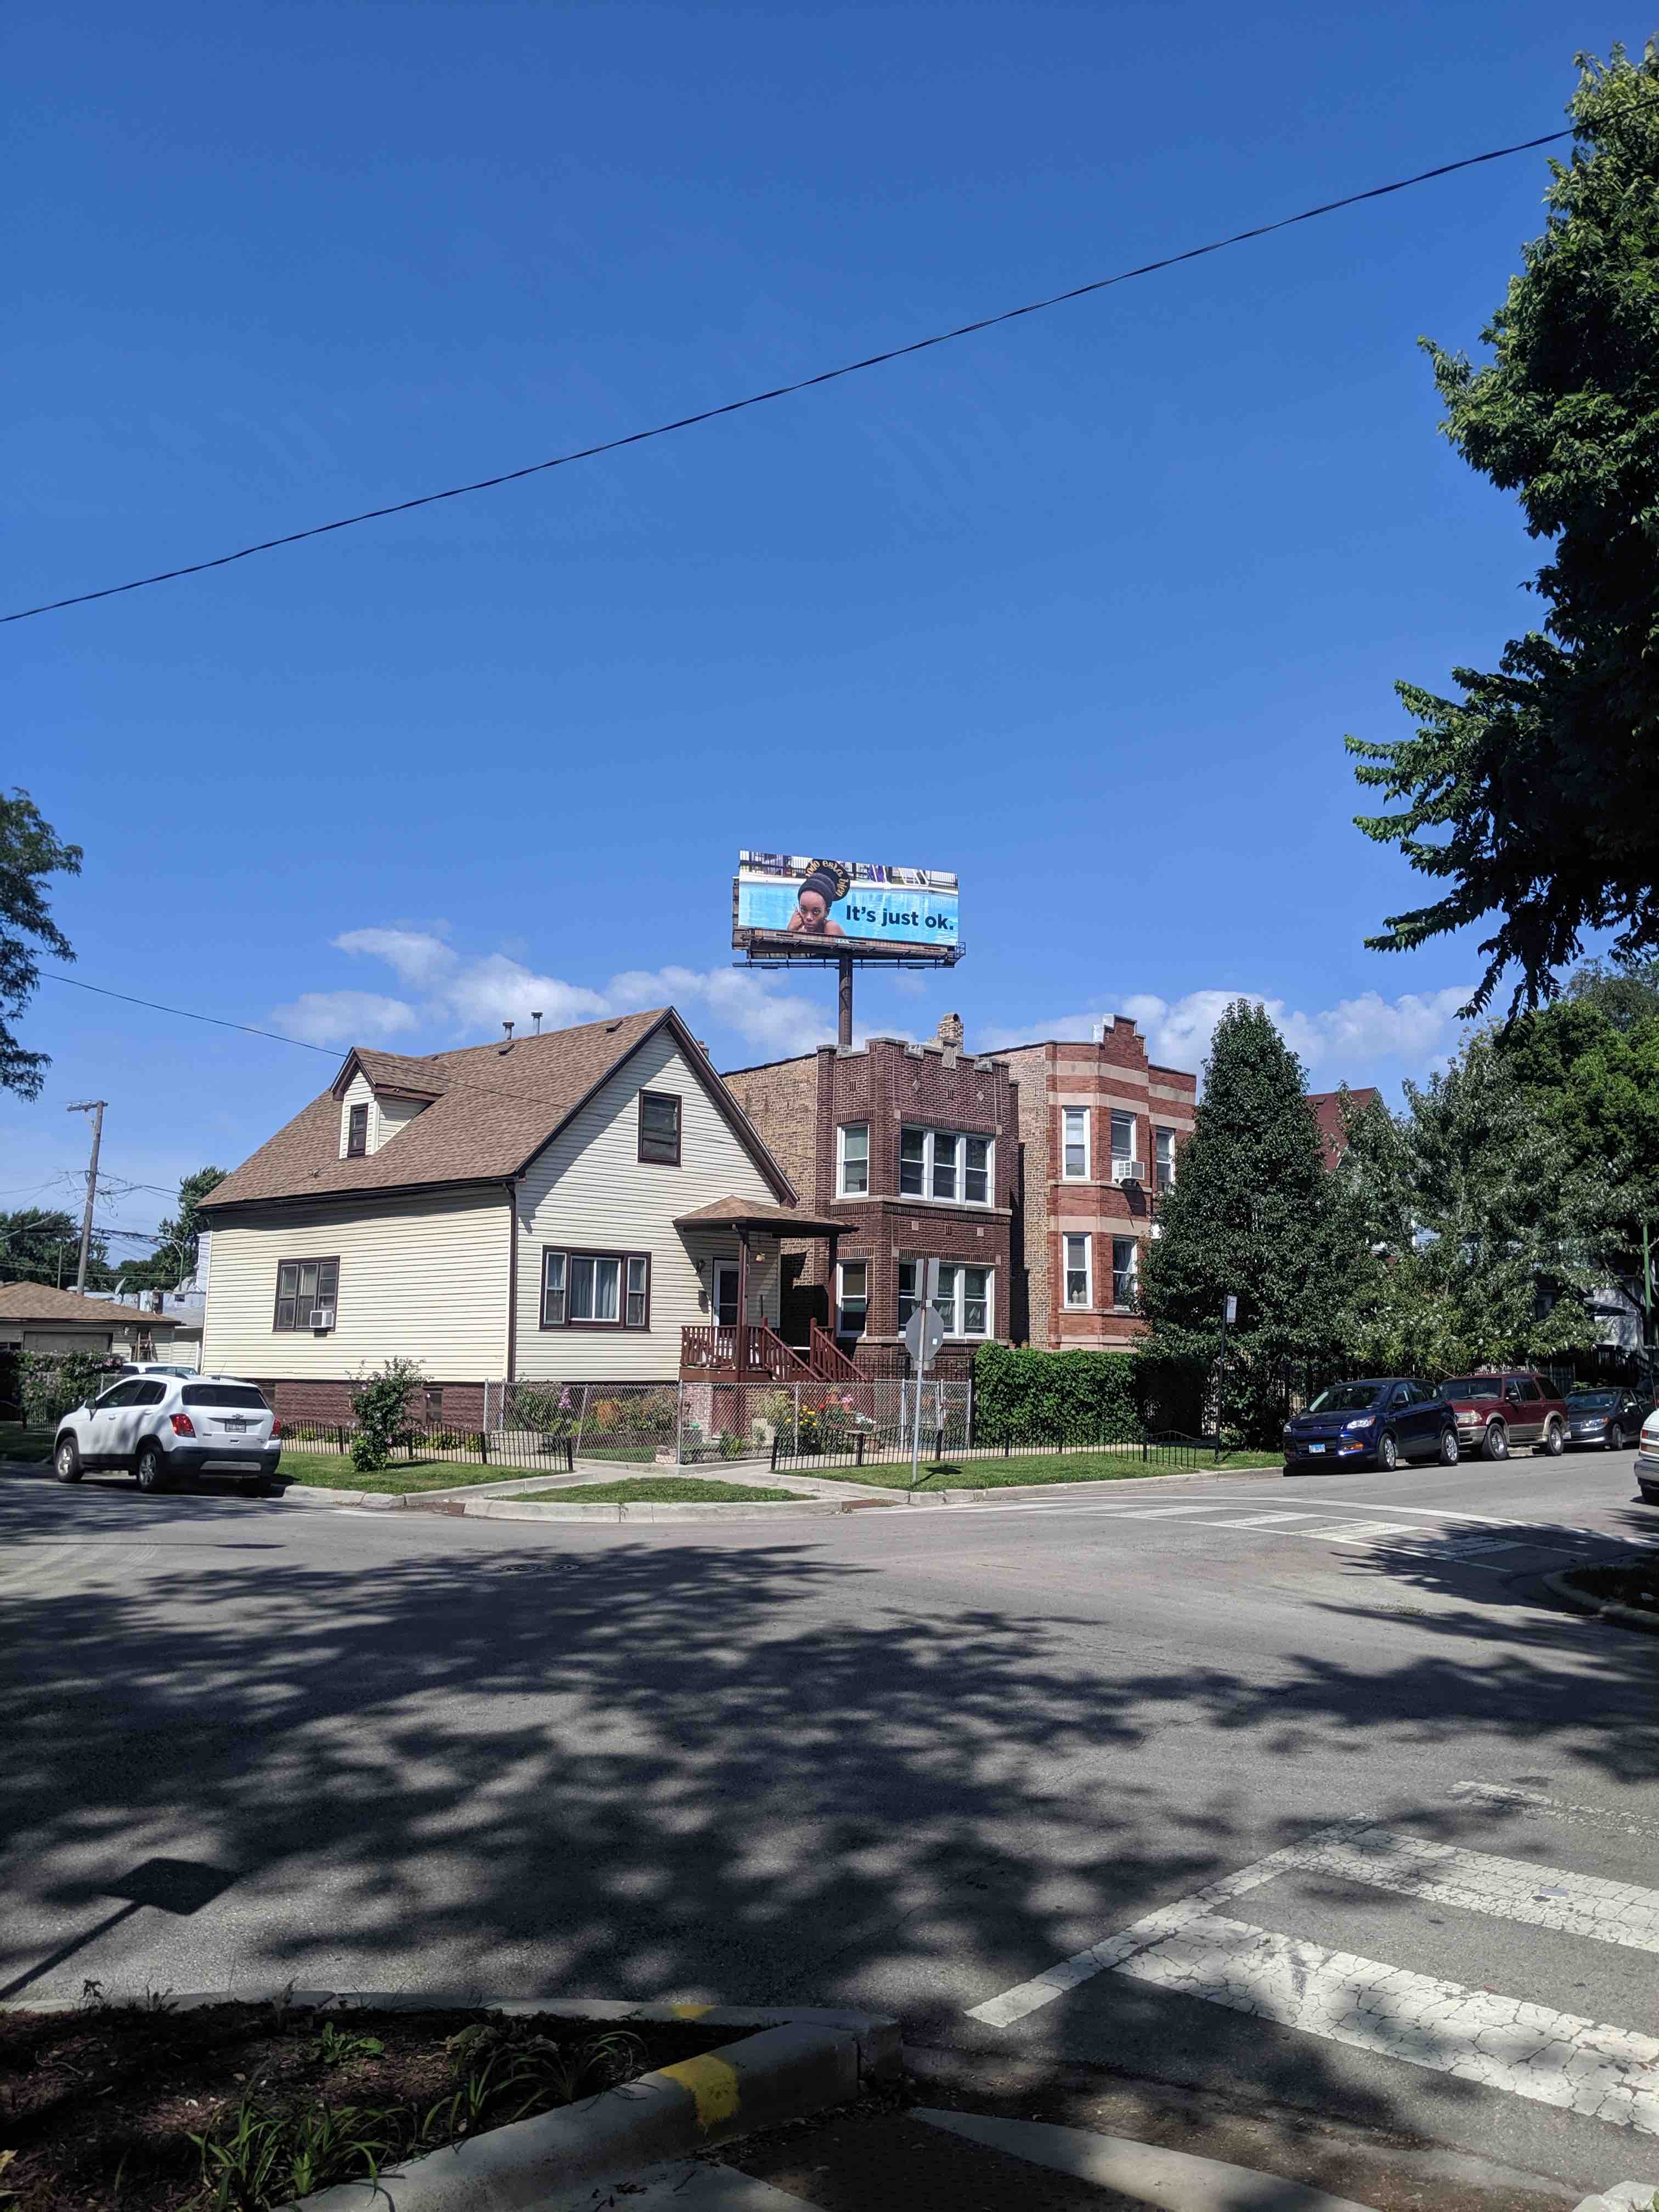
[(1126, 1273), (596, 1289), (852, 1297), (853, 1159), (660, 1128), (357, 1133), (942, 1163), (1079, 1289), (1164, 1140), (305, 1287), (1123, 1143), (965, 1303), (1074, 1158)]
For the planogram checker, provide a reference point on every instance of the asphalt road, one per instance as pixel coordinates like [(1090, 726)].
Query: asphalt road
[(909, 1758)]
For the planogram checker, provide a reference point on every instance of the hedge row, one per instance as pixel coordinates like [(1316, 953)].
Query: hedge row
[(1023, 1392)]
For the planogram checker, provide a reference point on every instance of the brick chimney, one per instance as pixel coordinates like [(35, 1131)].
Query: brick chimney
[(949, 1031)]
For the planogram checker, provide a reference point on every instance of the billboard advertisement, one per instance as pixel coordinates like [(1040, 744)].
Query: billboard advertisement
[(791, 903)]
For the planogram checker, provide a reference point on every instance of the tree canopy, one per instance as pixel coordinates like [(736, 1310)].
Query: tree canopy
[(40, 1244), (172, 1261), (1530, 797), (30, 851)]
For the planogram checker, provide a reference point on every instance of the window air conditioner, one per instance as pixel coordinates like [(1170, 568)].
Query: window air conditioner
[(321, 1317), (1128, 1171)]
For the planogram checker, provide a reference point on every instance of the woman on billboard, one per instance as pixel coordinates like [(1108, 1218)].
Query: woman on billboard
[(828, 882)]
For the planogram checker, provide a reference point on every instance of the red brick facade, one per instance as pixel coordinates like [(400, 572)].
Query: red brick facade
[(799, 1106), (1111, 1074)]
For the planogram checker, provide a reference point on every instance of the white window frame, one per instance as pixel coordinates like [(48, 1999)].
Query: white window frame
[(862, 1303), (935, 1155), (1120, 1115), (844, 1130), (1086, 1303), (1068, 1114), (1133, 1244), (951, 1305), (1162, 1136)]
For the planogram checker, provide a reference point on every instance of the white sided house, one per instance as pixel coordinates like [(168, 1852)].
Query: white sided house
[(507, 1213)]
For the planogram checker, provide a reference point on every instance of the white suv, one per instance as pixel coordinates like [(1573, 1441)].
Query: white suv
[(163, 1427)]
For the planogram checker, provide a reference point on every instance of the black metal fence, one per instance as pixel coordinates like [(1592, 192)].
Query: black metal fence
[(1161, 1451), (509, 1449)]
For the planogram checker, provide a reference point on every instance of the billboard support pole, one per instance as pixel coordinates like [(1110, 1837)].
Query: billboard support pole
[(844, 1025)]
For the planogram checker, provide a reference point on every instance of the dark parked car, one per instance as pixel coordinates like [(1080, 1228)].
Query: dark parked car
[(1512, 1406), (1610, 1417), (1377, 1423)]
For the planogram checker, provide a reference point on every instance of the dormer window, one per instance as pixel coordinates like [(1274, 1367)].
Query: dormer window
[(357, 1133)]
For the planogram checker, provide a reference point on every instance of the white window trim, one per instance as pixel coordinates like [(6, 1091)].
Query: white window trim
[(953, 1328), (957, 1139), (1123, 1114), (1160, 1131), (841, 1266), (1133, 1244), (842, 1129), (1069, 1237), (1065, 1112)]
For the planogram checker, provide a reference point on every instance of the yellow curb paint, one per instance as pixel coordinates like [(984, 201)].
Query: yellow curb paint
[(689, 2011), (712, 2083)]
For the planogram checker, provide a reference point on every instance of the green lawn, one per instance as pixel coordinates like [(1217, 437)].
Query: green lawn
[(18, 1443), (1033, 1468), (334, 1471), (666, 1490)]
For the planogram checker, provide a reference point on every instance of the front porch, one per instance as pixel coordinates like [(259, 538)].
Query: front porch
[(734, 1346)]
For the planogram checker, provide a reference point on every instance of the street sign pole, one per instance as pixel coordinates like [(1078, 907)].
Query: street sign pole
[(1229, 1313), (924, 1332)]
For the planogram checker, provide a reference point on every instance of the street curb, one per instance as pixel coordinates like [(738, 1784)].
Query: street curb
[(1626, 1616), (1176, 2180)]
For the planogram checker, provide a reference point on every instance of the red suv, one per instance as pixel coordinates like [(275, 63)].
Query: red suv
[(1511, 1406)]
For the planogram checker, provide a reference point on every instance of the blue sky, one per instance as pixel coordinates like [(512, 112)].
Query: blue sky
[(1080, 608)]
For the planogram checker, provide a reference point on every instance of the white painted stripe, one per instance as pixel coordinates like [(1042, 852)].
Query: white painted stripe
[(1359, 1531), (1167, 1512), (1267, 1520), (1502, 2043), (1043, 1988), (1476, 1881), (1556, 1809)]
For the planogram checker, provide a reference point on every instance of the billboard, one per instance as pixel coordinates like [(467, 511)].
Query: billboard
[(787, 902)]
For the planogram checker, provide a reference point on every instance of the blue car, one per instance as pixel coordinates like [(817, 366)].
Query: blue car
[(1375, 1423)]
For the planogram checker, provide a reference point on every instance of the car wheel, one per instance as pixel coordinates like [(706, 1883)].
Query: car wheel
[(1615, 1438), (1496, 1444), (151, 1467), (1555, 1438), (1388, 1453), (1448, 1447), (66, 1461)]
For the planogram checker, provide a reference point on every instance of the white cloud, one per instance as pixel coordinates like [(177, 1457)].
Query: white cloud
[(345, 1018), (1339, 1043), (474, 993)]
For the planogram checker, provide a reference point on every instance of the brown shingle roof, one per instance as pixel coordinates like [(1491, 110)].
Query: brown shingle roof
[(492, 1110), (732, 1212), (39, 1301)]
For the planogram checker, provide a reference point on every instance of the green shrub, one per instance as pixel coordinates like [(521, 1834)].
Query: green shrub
[(52, 1383), (1023, 1394), (380, 1407)]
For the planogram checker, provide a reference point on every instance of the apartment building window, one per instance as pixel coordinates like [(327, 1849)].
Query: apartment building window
[(966, 1301), (1165, 1143), (1074, 1146), (306, 1288), (596, 1289), (852, 1297), (1123, 1144), (1079, 1271), (357, 1133), (944, 1163), (853, 1159), (660, 1128), (1126, 1273)]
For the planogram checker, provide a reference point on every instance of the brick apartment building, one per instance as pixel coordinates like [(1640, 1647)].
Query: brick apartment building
[(916, 1148), (1100, 1128)]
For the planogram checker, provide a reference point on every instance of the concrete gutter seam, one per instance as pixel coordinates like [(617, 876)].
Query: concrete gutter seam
[(1175, 2180), (1626, 1616), (780, 2073)]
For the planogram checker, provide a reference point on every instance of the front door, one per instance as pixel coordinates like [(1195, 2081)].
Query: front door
[(726, 1293)]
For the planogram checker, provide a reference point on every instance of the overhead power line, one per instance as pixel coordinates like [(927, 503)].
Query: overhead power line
[(800, 384), (185, 1013)]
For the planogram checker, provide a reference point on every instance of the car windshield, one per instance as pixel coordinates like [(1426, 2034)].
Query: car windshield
[(224, 1394), (1473, 1386), (1593, 1402), (1346, 1398)]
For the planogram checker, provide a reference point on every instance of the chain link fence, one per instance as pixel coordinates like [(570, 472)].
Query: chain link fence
[(815, 1423)]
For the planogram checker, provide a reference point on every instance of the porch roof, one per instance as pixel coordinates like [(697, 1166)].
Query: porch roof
[(746, 1216)]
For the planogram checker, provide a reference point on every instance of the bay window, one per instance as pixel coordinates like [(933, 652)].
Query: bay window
[(1074, 1149), (1123, 1141), (1079, 1271), (1164, 1140), (1126, 1272), (946, 1164), (852, 1296), (966, 1302)]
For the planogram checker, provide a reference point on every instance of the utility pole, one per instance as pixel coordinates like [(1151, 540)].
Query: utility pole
[(96, 1107)]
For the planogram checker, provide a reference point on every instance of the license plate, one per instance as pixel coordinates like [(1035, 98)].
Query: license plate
[(1316, 1447)]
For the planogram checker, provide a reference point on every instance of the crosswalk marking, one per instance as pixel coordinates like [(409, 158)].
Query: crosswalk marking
[(1510, 1889), (1555, 1809), (1502, 2042), (1269, 1520)]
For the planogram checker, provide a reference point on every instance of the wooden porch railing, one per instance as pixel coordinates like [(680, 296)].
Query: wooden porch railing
[(748, 1354), (825, 1358)]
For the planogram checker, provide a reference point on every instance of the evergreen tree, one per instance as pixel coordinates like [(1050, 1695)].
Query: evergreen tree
[(1254, 1211)]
